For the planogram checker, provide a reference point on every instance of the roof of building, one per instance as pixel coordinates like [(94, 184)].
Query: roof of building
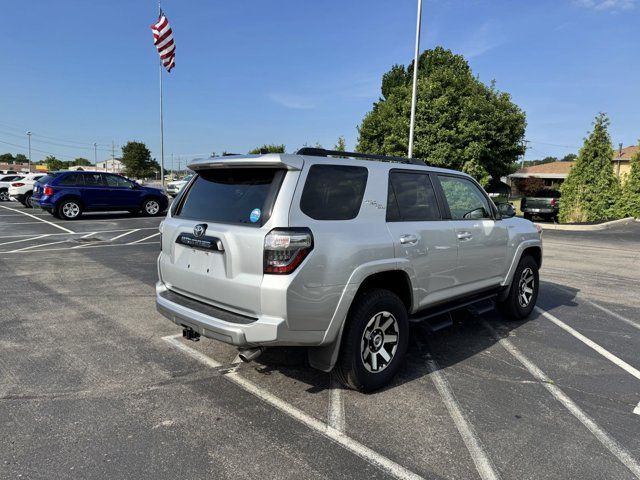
[(627, 153), (545, 170)]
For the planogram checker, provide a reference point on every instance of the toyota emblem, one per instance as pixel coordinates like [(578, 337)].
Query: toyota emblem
[(199, 229)]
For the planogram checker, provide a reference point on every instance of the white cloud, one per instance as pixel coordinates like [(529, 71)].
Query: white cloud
[(290, 100), (609, 5), (483, 39)]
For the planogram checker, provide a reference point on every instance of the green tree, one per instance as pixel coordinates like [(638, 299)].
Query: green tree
[(341, 145), (54, 164), (629, 200), (591, 189), (461, 123), (137, 160), (82, 162), (7, 158), (571, 157), (271, 148)]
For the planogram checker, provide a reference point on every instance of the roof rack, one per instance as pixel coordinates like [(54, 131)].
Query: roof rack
[(321, 152)]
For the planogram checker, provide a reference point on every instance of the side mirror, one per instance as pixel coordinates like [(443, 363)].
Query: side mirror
[(506, 210)]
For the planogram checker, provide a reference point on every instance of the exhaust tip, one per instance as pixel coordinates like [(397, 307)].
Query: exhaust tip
[(250, 354)]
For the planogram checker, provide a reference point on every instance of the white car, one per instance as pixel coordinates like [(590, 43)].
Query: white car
[(21, 190), (173, 188), (5, 180)]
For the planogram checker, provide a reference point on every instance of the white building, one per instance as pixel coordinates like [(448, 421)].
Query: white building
[(113, 166)]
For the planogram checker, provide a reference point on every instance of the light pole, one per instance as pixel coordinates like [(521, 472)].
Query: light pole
[(414, 92), (95, 154), (29, 137)]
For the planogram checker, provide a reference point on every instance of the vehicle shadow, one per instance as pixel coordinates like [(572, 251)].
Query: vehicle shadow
[(465, 338)]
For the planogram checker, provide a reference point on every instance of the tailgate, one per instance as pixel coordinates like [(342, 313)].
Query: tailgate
[(212, 241)]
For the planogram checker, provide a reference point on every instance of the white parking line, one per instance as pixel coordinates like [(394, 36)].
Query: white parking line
[(637, 409), (367, 454), (26, 239), (335, 413), (143, 239), (603, 437), (39, 219), (124, 234), (84, 247), (36, 246), (590, 343), (88, 235), (614, 314), (483, 463)]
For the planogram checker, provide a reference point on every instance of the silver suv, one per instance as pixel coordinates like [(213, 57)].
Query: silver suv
[(338, 252)]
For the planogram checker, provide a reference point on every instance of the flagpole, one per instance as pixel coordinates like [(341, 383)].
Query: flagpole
[(414, 91), (161, 119)]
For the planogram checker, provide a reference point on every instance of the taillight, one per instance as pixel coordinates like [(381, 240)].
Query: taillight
[(17, 184), (553, 202), (285, 249), (47, 190)]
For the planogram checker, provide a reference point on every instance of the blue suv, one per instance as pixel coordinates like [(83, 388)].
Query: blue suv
[(67, 194)]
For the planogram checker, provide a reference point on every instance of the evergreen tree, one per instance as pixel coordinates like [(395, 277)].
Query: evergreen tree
[(591, 190), (271, 148), (137, 160), (629, 204), (340, 145)]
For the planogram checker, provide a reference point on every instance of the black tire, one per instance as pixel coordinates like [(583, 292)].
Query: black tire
[(27, 200), (4, 195), (527, 216), (151, 207), (514, 306), (352, 369), (69, 209)]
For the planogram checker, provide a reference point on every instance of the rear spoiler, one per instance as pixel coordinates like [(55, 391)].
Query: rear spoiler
[(272, 160)]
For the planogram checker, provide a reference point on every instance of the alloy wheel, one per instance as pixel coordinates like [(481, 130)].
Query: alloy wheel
[(152, 207), (379, 342), (71, 210), (526, 286)]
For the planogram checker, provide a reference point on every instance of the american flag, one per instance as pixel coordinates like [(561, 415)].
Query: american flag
[(163, 40)]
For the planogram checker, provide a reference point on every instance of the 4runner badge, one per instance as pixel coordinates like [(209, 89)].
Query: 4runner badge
[(199, 229)]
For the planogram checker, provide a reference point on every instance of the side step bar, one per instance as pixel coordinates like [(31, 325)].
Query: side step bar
[(478, 305)]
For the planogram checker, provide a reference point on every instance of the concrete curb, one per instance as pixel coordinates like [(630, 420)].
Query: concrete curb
[(586, 228)]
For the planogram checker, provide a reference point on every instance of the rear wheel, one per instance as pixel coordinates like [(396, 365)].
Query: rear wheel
[(523, 292), (151, 207), (69, 209), (4, 195), (374, 341), (27, 200)]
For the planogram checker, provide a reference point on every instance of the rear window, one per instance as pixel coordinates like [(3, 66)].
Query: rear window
[(232, 195), (333, 192), (46, 179), (547, 194)]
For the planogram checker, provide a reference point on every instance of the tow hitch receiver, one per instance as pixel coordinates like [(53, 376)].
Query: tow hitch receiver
[(189, 334)]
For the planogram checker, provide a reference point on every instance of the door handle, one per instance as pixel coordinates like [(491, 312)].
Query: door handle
[(464, 236), (408, 239)]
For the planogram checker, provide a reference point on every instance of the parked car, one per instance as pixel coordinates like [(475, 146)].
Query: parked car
[(68, 194), (22, 189), (5, 181), (173, 188), (337, 254), (544, 203)]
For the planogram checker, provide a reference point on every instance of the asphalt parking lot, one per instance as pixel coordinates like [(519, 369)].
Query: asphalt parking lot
[(94, 383)]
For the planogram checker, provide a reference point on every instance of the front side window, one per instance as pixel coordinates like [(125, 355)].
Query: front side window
[(333, 192), (466, 201), (118, 181), (232, 195), (411, 198)]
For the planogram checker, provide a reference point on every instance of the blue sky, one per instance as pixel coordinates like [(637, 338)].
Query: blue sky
[(248, 72)]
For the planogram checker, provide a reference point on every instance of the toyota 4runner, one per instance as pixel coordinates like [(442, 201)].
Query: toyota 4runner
[(338, 252)]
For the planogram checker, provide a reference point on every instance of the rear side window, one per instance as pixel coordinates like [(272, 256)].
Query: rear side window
[(232, 195), (93, 179), (71, 179), (333, 192), (411, 198)]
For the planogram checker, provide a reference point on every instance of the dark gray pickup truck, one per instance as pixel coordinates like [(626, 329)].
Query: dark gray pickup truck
[(544, 203)]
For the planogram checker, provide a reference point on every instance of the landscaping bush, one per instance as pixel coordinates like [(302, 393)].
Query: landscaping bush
[(629, 200)]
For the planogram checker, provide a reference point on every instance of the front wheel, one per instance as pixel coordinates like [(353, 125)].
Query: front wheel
[(151, 207), (374, 341), (69, 210), (523, 292)]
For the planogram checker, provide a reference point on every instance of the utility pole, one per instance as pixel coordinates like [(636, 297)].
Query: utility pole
[(29, 137), (524, 151), (179, 166), (95, 154), (113, 157), (414, 91)]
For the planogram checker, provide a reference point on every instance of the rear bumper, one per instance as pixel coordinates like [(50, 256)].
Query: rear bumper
[(543, 211), (212, 322)]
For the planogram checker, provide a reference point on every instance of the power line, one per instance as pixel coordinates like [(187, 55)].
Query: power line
[(554, 144)]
